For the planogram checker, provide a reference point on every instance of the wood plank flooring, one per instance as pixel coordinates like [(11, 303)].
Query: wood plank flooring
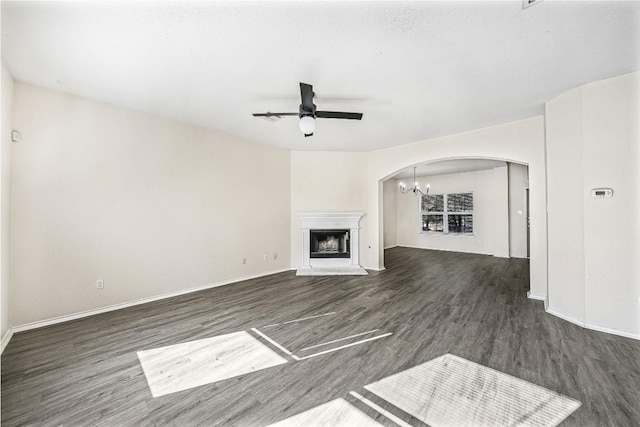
[(86, 372)]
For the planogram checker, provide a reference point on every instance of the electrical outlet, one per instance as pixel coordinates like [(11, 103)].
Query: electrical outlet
[(244, 260), (266, 257), (275, 255), (100, 284)]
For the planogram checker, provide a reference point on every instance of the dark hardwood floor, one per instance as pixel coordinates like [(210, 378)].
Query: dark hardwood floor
[(86, 372)]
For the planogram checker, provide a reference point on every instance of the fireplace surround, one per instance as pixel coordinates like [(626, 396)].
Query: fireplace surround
[(330, 244)]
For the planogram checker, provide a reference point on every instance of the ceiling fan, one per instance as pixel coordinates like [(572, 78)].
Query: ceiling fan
[(308, 112)]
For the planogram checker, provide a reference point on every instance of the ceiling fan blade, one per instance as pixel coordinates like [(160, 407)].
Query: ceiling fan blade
[(338, 115), (273, 114), (306, 93)]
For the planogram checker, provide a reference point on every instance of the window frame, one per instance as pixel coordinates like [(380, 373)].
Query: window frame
[(445, 215)]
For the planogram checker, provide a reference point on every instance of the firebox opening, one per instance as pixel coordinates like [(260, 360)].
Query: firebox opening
[(329, 244)]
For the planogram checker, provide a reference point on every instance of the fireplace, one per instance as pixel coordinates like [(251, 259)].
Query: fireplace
[(329, 244)]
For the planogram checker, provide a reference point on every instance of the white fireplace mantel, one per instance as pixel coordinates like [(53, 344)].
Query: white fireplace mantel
[(330, 266)]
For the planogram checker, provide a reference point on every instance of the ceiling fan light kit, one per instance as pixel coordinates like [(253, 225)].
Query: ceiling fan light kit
[(307, 125), (308, 114)]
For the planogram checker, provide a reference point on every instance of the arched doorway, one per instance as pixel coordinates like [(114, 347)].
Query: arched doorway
[(475, 205)]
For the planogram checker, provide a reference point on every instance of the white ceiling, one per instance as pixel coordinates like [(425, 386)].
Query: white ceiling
[(415, 69), (449, 166)]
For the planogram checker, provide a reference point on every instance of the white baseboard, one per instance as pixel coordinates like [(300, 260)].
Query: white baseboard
[(415, 247), (390, 247), (87, 313), (539, 298), (565, 317), (592, 326), (536, 297), (613, 331), (5, 339), (503, 256)]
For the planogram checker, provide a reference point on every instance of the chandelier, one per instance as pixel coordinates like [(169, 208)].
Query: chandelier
[(415, 189)]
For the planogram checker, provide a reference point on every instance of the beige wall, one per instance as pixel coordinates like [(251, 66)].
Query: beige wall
[(518, 182), (390, 193), (149, 205), (325, 181), (6, 88), (490, 206), (593, 140), (566, 224)]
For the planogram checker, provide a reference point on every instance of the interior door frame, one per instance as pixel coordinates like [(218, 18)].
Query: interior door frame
[(527, 221)]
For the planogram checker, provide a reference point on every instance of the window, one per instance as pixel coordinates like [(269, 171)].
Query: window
[(447, 213)]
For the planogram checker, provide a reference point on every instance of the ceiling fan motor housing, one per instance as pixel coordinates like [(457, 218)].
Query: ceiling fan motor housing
[(305, 112)]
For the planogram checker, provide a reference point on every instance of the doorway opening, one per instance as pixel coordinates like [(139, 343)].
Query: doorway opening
[(495, 193)]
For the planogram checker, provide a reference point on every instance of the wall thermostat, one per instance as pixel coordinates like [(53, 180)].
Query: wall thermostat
[(600, 193)]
